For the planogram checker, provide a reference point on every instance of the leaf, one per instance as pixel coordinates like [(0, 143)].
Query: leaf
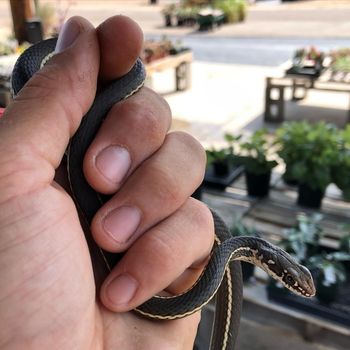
[(330, 276)]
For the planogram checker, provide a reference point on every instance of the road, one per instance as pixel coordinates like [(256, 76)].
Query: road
[(251, 51)]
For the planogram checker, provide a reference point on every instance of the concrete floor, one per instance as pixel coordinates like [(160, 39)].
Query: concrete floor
[(257, 336)]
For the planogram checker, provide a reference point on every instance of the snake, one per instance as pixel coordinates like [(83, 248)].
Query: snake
[(222, 276)]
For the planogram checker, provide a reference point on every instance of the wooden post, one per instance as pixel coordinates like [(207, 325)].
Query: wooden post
[(21, 11)]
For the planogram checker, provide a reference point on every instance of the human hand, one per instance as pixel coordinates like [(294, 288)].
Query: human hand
[(47, 295)]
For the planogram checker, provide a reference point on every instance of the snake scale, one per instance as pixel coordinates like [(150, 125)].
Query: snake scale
[(222, 275)]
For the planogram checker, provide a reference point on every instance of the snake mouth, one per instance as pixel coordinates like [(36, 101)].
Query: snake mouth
[(308, 292), (311, 290)]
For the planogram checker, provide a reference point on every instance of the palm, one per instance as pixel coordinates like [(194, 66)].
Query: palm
[(55, 283)]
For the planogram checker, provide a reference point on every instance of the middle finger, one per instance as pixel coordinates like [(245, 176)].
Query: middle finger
[(158, 187)]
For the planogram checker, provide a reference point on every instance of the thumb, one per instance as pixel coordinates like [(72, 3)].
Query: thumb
[(37, 126)]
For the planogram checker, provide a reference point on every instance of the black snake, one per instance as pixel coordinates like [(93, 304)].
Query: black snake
[(222, 276)]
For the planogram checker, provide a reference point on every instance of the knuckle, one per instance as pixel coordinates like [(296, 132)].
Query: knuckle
[(142, 118), (189, 143), (163, 247), (202, 223), (160, 101), (47, 83), (201, 217), (166, 187), (192, 152)]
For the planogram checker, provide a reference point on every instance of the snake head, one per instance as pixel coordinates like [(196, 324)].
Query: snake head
[(298, 279), (282, 267)]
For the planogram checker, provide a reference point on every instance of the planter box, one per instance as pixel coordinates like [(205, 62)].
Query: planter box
[(338, 311), (221, 182), (305, 71)]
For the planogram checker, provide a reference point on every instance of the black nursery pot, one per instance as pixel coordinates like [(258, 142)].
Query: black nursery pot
[(168, 20), (221, 167), (309, 197), (326, 294), (258, 185)]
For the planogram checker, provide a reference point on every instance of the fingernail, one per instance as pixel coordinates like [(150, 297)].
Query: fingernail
[(113, 162), (122, 289), (121, 223), (69, 32)]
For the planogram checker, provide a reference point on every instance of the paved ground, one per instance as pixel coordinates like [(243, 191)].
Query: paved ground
[(309, 18)]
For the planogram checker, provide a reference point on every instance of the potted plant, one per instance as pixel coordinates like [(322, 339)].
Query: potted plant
[(234, 10), (331, 274), (257, 165), (318, 155), (340, 65), (168, 13), (239, 229), (222, 168), (307, 61), (289, 140), (341, 170), (221, 159), (344, 246), (303, 240)]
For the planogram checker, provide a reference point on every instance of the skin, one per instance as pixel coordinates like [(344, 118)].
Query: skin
[(48, 294)]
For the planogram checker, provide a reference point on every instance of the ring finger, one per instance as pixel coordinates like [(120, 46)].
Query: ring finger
[(169, 256)]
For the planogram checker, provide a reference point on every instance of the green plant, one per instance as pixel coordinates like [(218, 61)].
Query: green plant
[(330, 266), (169, 10), (341, 170), (344, 242), (340, 60), (289, 141), (6, 49), (241, 229), (225, 153), (254, 153), (318, 154), (234, 10), (303, 240), (214, 154)]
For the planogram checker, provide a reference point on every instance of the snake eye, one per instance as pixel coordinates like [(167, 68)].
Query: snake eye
[(290, 280)]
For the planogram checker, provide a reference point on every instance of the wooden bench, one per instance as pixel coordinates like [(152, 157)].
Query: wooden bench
[(181, 63), (299, 86)]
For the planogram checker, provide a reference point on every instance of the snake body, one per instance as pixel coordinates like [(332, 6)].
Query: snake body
[(222, 275)]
